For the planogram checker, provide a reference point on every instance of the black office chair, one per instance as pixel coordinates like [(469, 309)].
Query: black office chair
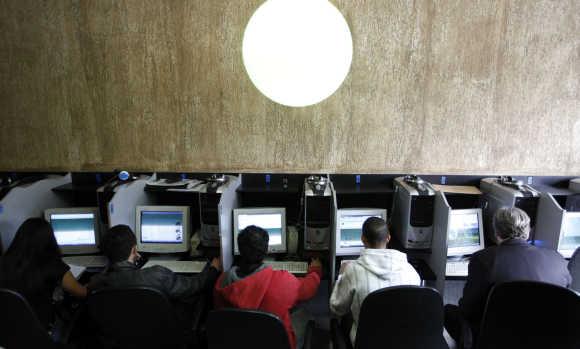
[(19, 326), (528, 314), (136, 317), (397, 317), (574, 268), (241, 328)]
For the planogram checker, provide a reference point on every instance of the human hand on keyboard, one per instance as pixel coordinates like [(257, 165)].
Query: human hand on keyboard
[(315, 263)]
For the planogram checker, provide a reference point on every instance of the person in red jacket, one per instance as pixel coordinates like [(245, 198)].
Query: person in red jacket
[(253, 285)]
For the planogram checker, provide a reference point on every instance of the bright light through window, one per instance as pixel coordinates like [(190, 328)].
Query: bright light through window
[(297, 52)]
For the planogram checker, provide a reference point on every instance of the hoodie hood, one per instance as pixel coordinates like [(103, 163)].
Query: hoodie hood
[(247, 292), (382, 262)]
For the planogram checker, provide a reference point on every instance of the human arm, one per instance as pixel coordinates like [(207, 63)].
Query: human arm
[(187, 288), (309, 284), (72, 286), (343, 293), (475, 291)]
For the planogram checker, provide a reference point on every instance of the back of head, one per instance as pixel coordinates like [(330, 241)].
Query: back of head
[(117, 243), (34, 245), (511, 223), (375, 231), (253, 245)]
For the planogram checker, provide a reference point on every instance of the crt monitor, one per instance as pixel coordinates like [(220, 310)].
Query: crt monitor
[(162, 229), (272, 219), (76, 229), (465, 232), (570, 235), (349, 222)]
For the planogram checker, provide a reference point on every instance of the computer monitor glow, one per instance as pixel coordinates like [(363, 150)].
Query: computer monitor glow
[(349, 222), (162, 229), (272, 219), (570, 235), (464, 232), (75, 229)]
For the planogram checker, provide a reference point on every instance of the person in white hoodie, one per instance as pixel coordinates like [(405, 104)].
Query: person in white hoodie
[(376, 268)]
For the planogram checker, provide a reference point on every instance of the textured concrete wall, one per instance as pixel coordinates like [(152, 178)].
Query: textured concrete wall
[(465, 86)]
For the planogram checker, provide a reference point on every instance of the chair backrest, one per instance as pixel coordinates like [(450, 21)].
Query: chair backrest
[(241, 328), (135, 317), (19, 326), (574, 268), (528, 314), (401, 317)]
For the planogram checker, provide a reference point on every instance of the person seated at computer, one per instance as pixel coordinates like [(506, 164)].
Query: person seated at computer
[(120, 246), (376, 268), (32, 266), (253, 285), (512, 259)]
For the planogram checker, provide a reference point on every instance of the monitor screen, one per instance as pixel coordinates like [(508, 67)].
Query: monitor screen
[(351, 229), (76, 229), (272, 220), (570, 239), (349, 222), (72, 229), (464, 235), (162, 227)]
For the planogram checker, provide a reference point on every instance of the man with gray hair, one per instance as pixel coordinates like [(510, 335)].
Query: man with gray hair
[(512, 259)]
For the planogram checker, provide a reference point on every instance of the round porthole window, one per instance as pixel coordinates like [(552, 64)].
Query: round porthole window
[(297, 52)]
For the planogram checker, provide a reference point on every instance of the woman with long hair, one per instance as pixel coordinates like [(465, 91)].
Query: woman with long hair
[(32, 266)]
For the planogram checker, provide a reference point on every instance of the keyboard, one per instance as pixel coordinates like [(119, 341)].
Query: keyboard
[(456, 268), (184, 267), (291, 267), (87, 261)]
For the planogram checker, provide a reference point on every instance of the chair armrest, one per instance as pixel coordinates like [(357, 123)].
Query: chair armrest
[(339, 339)]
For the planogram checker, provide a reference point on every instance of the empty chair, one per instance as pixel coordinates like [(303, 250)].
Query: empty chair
[(242, 328), (19, 326), (136, 317), (398, 317), (528, 314), (574, 268)]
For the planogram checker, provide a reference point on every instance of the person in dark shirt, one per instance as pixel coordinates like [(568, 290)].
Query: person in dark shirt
[(513, 259), (120, 247), (32, 266)]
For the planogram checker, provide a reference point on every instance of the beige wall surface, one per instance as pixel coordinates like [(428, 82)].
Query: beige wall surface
[(441, 86)]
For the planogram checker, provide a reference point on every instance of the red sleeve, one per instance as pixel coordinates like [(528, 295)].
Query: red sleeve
[(309, 283)]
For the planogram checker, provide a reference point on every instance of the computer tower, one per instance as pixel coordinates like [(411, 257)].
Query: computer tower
[(317, 213), (508, 192), (575, 185), (412, 213), (209, 219)]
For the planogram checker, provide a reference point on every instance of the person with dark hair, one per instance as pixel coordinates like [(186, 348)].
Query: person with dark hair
[(376, 268), (513, 259), (120, 247), (253, 285), (32, 266)]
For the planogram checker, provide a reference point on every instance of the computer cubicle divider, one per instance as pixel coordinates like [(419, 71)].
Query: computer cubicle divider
[(332, 243), (121, 208), (26, 201), (229, 200), (438, 258), (551, 217)]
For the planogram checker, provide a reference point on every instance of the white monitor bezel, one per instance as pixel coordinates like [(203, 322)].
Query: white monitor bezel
[(566, 253), (163, 247), (77, 249), (466, 250), (352, 251), (282, 248)]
